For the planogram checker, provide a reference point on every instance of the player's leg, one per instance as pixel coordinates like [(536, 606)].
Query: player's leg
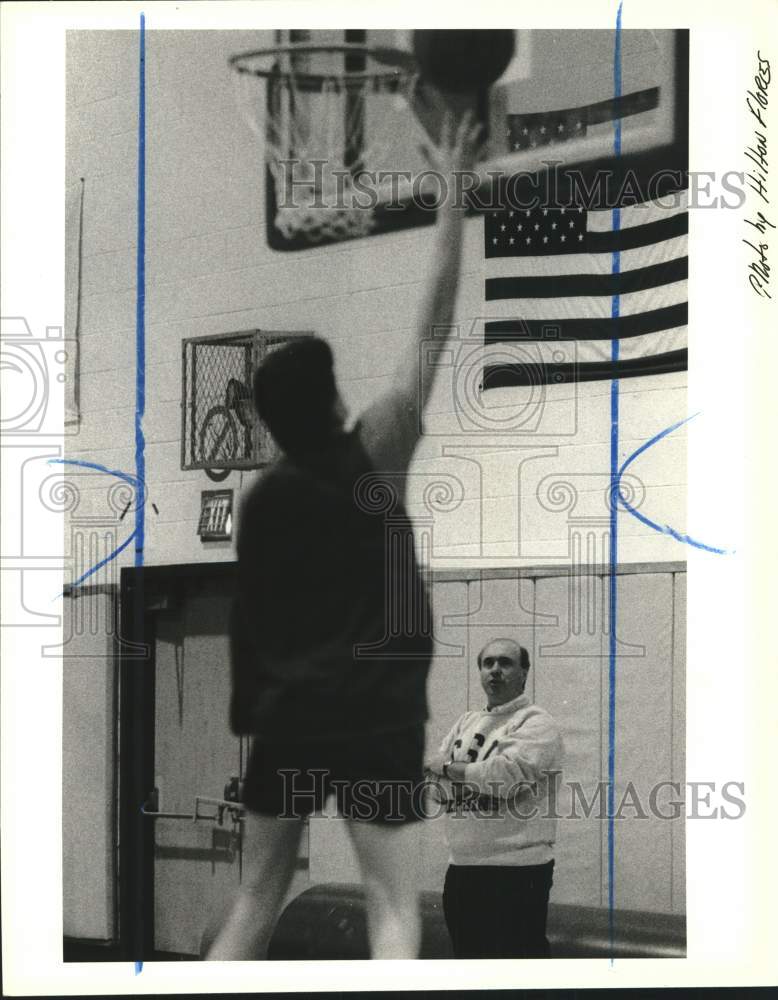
[(386, 782), (388, 856), (270, 846), (278, 795)]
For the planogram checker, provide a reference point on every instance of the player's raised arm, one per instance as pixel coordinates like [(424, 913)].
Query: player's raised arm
[(391, 426)]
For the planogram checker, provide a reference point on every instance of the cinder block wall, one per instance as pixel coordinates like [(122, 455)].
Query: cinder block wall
[(209, 270)]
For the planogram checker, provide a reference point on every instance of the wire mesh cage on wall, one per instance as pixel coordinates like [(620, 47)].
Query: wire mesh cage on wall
[(220, 430)]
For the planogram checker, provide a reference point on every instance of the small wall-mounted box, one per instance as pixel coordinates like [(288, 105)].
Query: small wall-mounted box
[(215, 523)]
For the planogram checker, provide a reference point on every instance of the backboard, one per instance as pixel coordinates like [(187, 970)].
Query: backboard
[(558, 102)]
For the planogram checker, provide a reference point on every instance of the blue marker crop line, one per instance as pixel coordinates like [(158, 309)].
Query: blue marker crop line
[(140, 314), (664, 529), (103, 562), (139, 499), (133, 481), (140, 301), (613, 539)]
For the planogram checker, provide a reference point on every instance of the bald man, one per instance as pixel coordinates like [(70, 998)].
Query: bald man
[(496, 768)]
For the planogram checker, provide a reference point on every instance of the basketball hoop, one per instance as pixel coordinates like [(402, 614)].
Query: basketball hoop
[(312, 115)]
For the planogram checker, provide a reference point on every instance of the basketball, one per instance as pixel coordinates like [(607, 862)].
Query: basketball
[(463, 61)]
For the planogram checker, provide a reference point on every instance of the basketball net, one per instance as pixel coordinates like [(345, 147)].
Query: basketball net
[(324, 136)]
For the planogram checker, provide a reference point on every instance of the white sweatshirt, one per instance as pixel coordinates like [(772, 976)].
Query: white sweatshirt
[(501, 814)]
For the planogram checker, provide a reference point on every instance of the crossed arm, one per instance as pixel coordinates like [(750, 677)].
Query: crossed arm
[(441, 762), (522, 755)]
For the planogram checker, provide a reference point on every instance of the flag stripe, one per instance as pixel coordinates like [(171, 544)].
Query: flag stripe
[(532, 243), (601, 220), (551, 353), (584, 263), (588, 307), (622, 107), (615, 328), (500, 376), (638, 236), (554, 351), (572, 285), (635, 103)]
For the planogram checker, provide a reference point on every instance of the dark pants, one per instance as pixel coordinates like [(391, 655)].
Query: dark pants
[(498, 911)]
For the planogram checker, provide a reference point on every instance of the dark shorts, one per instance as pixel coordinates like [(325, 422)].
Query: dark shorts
[(374, 776)]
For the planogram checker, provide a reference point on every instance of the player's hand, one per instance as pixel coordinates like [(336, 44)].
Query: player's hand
[(434, 763)]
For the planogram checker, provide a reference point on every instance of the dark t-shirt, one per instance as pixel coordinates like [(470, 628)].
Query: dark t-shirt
[(331, 629)]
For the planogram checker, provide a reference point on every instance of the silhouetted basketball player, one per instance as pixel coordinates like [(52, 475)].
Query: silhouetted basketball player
[(331, 634)]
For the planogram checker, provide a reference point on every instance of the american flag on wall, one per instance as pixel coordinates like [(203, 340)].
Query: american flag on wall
[(550, 127), (550, 285)]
